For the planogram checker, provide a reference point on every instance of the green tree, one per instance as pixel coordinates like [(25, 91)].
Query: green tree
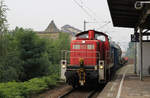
[(33, 53), (10, 68), (56, 47), (3, 20), (3, 29), (10, 63)]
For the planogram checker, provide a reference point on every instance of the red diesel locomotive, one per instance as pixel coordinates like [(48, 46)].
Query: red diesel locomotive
[(89, 60)]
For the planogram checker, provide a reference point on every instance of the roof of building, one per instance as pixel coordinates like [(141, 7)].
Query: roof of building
[(52, 27), (124, 13)]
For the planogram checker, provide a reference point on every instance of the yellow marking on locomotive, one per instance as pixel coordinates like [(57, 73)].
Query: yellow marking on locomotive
[(81, 60), (81, 73)]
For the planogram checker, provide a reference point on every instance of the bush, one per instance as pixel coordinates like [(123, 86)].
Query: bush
[(25, 89), (10, 90)]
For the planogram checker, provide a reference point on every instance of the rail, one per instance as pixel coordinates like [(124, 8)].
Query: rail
[(88, 94), (67, 93)]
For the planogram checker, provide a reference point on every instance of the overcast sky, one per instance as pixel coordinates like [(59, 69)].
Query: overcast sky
[(37, 14)]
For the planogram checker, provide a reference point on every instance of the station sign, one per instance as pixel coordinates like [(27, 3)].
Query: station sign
[(135, 37)]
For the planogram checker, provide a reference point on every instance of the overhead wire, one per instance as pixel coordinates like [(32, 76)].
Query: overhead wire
[(93, 13), (88, 11), (104, 25), (82, 7)]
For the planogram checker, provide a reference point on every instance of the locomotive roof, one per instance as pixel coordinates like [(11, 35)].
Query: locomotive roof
[(96, 32)]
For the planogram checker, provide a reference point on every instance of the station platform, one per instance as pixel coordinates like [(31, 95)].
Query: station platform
[(127, 85)]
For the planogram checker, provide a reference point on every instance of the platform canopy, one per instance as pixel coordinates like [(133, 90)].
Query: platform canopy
[(124, 14)]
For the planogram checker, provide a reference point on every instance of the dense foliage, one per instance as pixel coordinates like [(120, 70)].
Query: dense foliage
[(56, 47), (12, 56), (28, 63), (33, 53), (25, 89), (24, 55)]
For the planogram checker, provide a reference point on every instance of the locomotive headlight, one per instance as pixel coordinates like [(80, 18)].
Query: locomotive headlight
[(63, 66), (101, 66)]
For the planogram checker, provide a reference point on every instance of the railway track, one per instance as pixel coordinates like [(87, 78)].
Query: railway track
[(67, 93), (76, 93), (82, 93)]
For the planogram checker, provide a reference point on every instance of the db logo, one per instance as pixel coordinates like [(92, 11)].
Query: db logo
[(83, 46)]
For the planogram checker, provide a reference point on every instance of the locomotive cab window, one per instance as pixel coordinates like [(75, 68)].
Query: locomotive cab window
[(83, 36), (90, 46), (100, 37), (76, 46)]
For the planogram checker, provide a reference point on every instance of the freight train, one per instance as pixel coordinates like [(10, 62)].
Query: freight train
[(90, 59)]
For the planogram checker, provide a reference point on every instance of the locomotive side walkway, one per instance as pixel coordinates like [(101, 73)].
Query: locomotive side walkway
[(127, 85)]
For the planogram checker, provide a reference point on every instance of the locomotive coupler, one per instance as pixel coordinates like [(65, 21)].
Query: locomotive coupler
[(81, 72)]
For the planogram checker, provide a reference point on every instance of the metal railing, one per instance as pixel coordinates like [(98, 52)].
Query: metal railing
[(87, 55)]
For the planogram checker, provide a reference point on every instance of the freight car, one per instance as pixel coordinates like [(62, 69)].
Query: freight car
[(90, 59)]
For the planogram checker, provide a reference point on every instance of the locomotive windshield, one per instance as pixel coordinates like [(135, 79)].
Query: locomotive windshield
[(100, 37), (83, 36)]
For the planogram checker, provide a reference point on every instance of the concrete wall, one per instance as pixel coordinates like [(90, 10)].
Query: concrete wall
[(146, 58)]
